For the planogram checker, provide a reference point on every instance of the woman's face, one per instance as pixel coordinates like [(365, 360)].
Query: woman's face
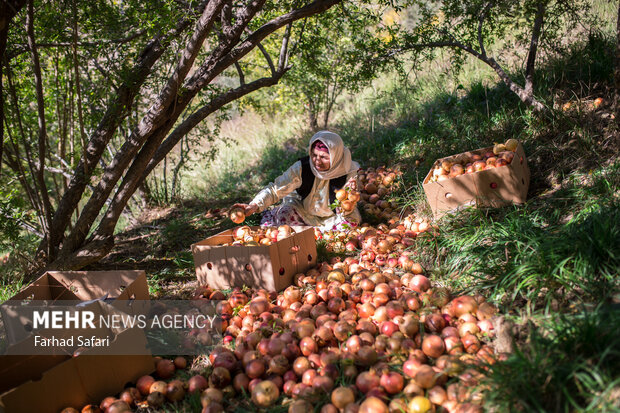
[(320, 159)]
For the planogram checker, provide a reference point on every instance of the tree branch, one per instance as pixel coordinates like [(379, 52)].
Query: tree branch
[(240, 72), (118, 109), (267, 57), (78, 88), (513, 86), (203, 28), (226, 19), (25, 225), (153, 119), (12, 161), (483, 15), (158, 121), (438, 44), (20, 48), (62, 172), (216, 64), (199, 115), (47, 207), (617, 68), (33, 195), (531, 56), (283, 59)]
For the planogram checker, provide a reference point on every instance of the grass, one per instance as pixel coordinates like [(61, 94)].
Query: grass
[(523, 255), (572, 364), (252, 153), (545, 261)]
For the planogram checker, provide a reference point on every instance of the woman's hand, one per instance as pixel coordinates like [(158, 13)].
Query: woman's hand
[(351, 184), (249, 209)]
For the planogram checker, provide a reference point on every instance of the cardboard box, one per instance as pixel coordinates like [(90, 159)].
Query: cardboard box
[(494, 187), (271, 267), (76, 285), (87, 285), (51, 382), (74, 381)]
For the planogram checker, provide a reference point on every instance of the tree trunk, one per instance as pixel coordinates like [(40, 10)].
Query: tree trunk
[(146, 146), (116, 112), (525, 96), (311, 110), (526, 93), (531, 55), (617, 71), (42, 138), (8, 10)]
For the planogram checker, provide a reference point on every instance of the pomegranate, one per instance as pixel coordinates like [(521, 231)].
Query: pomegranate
[(197, 383), (165, 369), (342, 397), (373, 405), (265, 393), (144, 384), (392, 382)]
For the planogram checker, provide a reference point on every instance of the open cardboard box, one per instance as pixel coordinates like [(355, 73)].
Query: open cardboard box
[(271, 267), (26, 377), (87, 285), (73, 381), (75, 285), (494, 187)]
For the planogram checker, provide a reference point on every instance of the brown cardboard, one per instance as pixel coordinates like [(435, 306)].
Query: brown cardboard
[(22, 376), (79, 285), (87, 285), (271, 267), (73, 381), (494, 187)]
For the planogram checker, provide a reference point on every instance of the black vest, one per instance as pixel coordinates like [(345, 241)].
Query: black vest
[(307, 181)]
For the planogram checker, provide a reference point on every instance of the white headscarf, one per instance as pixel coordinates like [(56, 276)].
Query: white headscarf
[(339, 155)]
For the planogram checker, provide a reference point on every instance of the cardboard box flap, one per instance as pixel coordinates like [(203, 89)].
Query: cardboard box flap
[(75, 381), (114, 372), (19, 369), (89, 285), (63, 388), (45, 288), (27, 345)]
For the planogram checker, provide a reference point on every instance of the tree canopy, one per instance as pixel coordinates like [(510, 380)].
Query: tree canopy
[(471, 28), (96, 94)]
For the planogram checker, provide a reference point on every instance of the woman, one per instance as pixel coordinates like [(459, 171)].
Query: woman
[(307, 188)]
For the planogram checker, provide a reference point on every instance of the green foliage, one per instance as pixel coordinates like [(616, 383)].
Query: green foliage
[(521, 254), (16, 243), (331, 54), (498, 33), (570, 364), (548, 243), (13, 212), (109, 35)]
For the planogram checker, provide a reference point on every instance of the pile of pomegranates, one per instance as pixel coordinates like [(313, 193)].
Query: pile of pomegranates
[(247, 236), (367, 341), (501, 155), (376, 185), (365, 333), (347, 199)]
